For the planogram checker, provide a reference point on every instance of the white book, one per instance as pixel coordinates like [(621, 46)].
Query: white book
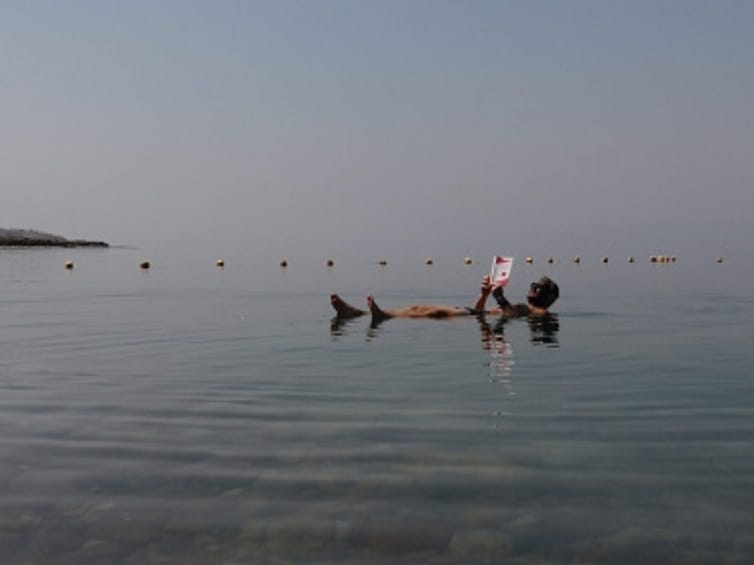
[(501, 270)]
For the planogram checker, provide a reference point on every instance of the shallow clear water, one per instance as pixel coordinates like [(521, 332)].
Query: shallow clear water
[(193, 415)]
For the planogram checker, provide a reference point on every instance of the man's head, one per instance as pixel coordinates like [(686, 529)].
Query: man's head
[(543, 293)]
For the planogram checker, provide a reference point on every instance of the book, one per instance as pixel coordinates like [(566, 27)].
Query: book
[(501, 270)]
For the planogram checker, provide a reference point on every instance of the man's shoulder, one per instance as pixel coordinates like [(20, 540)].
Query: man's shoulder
[(521, 309)]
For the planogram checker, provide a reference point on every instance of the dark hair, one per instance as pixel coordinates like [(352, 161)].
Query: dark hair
[(543, 293)]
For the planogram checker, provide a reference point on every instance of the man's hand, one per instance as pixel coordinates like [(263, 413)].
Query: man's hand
[(486, 285)]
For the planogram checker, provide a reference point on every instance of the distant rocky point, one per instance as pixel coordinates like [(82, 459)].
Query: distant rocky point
[(34, 238)]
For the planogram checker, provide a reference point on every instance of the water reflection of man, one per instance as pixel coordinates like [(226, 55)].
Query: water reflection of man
[(491, 334), (544, 330)]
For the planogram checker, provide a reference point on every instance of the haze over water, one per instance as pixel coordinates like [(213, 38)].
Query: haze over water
[(189, 414)]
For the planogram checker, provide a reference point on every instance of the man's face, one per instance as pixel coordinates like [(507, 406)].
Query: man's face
[(535, 289), (542, 293)]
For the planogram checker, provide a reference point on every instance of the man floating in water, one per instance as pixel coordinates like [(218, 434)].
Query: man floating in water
[(542, 294)]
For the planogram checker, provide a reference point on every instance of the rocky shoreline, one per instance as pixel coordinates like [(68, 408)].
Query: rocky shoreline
[(33, 238)]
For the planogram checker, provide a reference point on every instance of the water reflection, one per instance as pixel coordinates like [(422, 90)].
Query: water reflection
[(493, 336), (339, 326), (544, 330), (501, 359)]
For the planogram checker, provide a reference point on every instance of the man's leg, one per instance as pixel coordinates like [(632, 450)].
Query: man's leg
[(378, 313), (344, 309)]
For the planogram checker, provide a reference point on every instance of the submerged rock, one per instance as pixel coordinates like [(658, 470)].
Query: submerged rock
[(400, 536), (485, 544)]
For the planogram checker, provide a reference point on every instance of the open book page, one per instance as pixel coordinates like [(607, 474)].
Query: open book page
[(501, 270)]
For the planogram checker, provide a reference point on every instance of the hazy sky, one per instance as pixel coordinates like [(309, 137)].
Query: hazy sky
[(375, 125)]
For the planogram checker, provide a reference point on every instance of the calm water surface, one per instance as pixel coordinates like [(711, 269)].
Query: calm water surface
[(192, 415)]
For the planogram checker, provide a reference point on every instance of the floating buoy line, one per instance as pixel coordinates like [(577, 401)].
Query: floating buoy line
[(145, 264)]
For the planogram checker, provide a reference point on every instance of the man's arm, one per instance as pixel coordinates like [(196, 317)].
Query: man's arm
[(483, 294), (507, 308)]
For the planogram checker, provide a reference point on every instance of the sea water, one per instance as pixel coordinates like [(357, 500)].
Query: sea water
[(189, 414)]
